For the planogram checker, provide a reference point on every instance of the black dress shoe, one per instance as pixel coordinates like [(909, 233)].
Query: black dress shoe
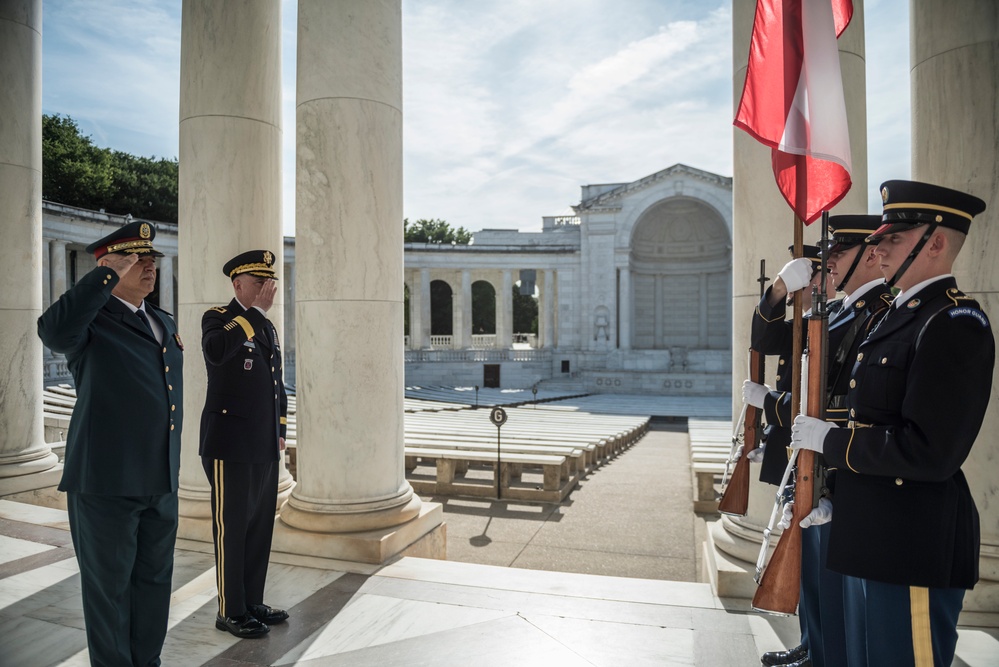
[(807, 662), (796, 654), (244, 627), (268, 615)]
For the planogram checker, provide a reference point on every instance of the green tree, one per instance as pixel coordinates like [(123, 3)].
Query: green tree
[(74, 170), (78, 173), (525, 312), (434, 231)]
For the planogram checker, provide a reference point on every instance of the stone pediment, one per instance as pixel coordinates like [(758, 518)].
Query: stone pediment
[(612, 198)]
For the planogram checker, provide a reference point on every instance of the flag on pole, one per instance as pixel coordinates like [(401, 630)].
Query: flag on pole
[(793, 100)]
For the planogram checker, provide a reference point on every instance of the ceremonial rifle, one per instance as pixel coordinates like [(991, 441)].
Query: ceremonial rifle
[(735, 496), (780, 585)]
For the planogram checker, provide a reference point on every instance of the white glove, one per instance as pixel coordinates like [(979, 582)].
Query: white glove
[(818, 516), (753, 393), (785, 519), (796, 274), (756, 455), (809, 433)]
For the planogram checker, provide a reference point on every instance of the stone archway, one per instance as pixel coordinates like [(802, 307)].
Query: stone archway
[(681, 273)]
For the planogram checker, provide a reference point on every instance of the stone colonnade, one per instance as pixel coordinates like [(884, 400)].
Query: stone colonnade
[(460, 281)]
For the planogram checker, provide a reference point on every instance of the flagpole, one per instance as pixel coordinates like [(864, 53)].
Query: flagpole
[(797, 326)]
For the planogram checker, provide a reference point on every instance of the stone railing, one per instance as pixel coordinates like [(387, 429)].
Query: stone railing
[(441, 342), (56, 369), (483, 341), (479, 356), (526, 339)]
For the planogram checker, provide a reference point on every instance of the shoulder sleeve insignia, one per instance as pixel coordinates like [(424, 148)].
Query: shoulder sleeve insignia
[(966, 311)]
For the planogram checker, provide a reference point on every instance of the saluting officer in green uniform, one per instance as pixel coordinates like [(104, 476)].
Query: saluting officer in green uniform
[(123, 448), (242, 435)]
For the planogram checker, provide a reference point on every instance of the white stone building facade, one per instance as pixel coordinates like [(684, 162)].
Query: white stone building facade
[(633, 289)]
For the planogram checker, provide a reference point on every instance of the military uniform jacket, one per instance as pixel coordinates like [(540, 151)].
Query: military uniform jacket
[(246, 406), (124, 435), (920, 386)]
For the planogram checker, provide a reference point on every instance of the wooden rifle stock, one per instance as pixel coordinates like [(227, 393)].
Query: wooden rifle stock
[(780, 586), (735, 499)]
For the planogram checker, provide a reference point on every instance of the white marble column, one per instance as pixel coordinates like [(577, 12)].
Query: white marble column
[(504, 311), (26, 462), (415, 311), (462, 304), (955, 56), (166, 284), (763, 228), (229, 190), (547, 310), (624, 308), (425, 312), (57, 269), (352, 500)]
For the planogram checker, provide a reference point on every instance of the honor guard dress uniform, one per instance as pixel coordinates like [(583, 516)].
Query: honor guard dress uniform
[(241, 425), (905, 522), (122, 459)]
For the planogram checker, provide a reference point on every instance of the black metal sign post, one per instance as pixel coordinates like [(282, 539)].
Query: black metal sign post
[(534, 390), (498, 416)]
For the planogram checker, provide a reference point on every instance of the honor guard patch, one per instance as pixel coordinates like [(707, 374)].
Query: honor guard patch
[(247, 364), (969, 312), (180, 343)]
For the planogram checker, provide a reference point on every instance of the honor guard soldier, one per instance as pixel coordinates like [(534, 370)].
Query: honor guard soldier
[(906, 524), (772, 334), (122, 459), (242, 437)]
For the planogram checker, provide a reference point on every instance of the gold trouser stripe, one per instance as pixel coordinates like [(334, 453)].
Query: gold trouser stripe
[(922, 639), (247, 327), (220, 531)]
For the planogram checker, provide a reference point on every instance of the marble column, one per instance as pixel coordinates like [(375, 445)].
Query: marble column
[(624, 308), (57, 269), (659, 315), (229, 190), (415, 312), (763, 228), (547, 308), (26, 462), (955, 56), (504, 311), (425, 312), (166, 284), (352, 501), (462, 305)]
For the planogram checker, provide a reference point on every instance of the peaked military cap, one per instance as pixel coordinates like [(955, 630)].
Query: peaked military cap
[(909, 204), (255, 262), (811, 253), (130, 239), (846, 231)]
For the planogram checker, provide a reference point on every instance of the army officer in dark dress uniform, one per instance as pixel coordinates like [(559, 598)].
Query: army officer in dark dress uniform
[(905, 523), (242, 434), (123, 449)]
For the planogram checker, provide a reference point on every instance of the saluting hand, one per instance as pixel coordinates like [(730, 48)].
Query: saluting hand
[(265, 297), (119, 263)]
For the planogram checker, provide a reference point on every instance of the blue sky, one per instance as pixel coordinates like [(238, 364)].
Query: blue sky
[(509, 106)]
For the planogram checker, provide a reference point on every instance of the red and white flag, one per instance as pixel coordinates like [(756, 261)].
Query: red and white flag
[(793, 100)]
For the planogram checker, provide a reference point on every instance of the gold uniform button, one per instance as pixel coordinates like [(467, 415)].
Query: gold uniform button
[(860, 357), (164, 350), (272, 369), (224, 411), (853, 384), (172, 408), (781, 362), (105, 282), (853, 413), (884, 360), (109, 276), (171, 427), (778, 378), (170, 387), (275, 383), (898, 481), (166, 369)]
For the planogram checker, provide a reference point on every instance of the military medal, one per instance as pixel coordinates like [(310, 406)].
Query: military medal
[(180, 343), (247, 364)]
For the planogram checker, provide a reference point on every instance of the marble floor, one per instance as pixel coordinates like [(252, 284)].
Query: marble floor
[(410, 612)]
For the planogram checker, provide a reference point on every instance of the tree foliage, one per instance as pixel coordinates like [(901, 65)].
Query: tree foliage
[(434, 231), (78, 173)]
